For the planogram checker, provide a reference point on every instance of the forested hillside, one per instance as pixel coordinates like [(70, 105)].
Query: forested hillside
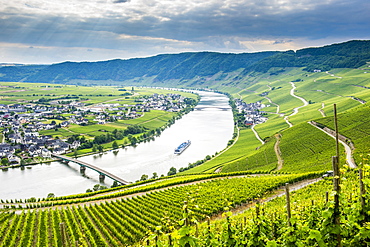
[(199, 67)]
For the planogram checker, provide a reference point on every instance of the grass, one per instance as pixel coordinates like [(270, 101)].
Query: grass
[(152, 119), (304, 148), (273, 125), (354, 124), (263, 159), (246, 144)]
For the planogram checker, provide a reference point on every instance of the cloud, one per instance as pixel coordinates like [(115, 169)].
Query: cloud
[(121, 1), (160, 26)]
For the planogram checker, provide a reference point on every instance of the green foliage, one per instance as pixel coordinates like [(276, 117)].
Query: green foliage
[(354, 124), (123, 222), (312, 220), (263, 159), (305, 148)]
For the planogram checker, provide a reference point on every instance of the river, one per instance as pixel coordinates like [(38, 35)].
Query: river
[(209, 127)]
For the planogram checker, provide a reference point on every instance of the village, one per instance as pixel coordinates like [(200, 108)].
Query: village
[(22, 123), (251, 111)]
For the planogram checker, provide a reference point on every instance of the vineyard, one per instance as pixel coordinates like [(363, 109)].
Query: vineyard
[(233, 197), (354, 124), (264, 159), (306, 219), (125, 221), (305, 148)]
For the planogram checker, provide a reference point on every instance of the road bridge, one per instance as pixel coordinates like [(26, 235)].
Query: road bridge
[(83, 165)]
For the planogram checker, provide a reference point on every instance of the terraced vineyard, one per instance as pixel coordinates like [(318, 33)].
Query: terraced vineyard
[(306, 148), (153, 212), (263, 159), (354, 124), (125, 221), (310, 223)]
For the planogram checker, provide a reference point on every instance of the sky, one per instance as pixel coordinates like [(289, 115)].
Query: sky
[(45, 32)]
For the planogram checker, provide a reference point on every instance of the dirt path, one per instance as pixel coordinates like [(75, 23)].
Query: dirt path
[(270, 101), (295, 110), (278, 152), (277, 193), (327, 72), (256, 134), (321, 110), (349, 156)]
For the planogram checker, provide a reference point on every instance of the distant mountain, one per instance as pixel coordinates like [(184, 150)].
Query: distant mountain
[(187, 66)]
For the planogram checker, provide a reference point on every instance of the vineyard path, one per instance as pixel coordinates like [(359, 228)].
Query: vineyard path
[(295, 110), (321, 110), (276, 193), (349, 157), (256, 134), (278, 152), (271, 102)]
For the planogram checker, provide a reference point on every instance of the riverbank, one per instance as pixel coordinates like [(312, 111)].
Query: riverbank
[(209, 127)]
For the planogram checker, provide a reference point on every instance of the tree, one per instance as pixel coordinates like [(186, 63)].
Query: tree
[(132, 139), (155, 175), (144, 177), (172, 171), (96, 187), (125, 142), (115, 184), (114, 145), (4, 161), (100, 148), (51, 195), (75, 153)]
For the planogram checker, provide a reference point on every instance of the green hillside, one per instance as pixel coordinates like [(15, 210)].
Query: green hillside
[(195, 206), (192, 69)]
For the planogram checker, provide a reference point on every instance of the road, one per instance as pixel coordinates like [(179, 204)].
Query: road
[(256, 134), (349, 157), (295, 110)]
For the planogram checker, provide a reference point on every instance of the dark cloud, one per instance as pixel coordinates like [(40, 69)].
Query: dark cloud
[(282, 42), (213, 27), (121, 1)]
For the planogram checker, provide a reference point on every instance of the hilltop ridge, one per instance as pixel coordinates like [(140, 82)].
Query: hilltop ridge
[(201, 68)]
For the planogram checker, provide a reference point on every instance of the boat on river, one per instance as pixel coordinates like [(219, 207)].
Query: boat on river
[(181, 148)]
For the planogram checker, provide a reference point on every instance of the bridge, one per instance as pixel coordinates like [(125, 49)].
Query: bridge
[(83, 165)]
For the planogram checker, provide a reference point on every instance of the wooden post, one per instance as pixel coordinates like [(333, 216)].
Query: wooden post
[(336, 131), (288, 202), (336, 178), (336, 184), (362, 189)]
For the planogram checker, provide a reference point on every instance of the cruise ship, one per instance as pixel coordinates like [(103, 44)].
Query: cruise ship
[(182, 147)]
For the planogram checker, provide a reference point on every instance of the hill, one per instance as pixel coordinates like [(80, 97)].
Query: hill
[(196, 69), (296, 88)]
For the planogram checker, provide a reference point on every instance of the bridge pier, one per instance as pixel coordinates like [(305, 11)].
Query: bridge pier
[(101, 177), (82, 169)]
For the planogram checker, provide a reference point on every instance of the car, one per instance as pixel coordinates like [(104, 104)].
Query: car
[(328, 174)]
